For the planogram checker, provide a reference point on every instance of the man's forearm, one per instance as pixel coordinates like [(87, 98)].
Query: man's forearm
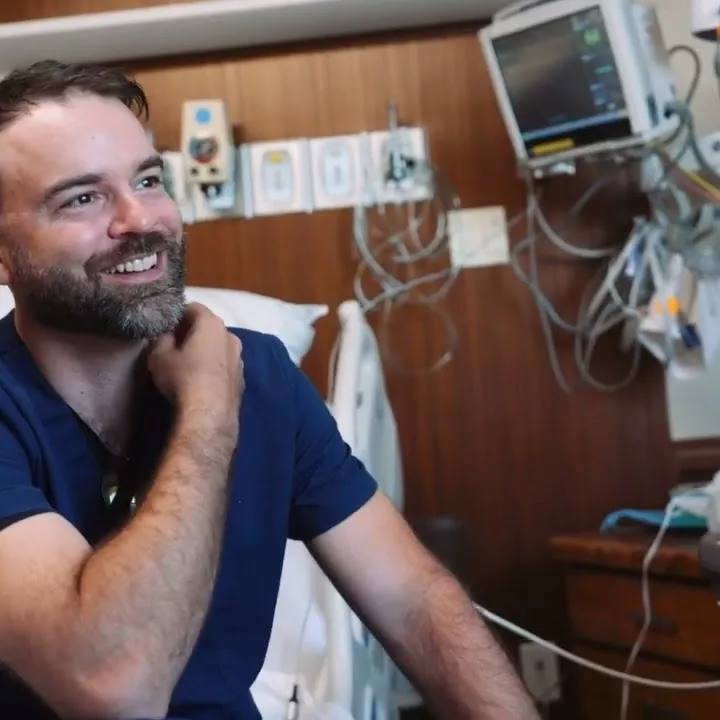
[(144, 595), (454, 661)]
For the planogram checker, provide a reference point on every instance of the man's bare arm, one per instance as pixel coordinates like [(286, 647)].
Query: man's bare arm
[(106, 633), (421, 615)]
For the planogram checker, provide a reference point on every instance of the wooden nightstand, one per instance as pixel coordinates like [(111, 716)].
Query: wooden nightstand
[(604, 607)]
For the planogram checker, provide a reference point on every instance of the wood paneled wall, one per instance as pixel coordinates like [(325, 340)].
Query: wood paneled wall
[(490, 439)]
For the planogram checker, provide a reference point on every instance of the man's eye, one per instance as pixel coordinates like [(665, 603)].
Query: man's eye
[(80, 200), (151, 181)]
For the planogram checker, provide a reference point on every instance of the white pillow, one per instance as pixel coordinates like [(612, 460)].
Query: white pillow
[(291, 323), (7, 301)]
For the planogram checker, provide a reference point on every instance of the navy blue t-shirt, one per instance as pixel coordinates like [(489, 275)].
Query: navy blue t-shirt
[(292, 476)]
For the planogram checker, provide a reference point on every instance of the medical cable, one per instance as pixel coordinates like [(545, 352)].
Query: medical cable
[(402, 247), (546, 310), (678, 222), (694, 80), (697, 69), (589, 664), (635, 261), (534, 282), (526, 243)]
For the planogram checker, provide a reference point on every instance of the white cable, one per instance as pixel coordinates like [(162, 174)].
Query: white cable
[(670, 511), (589, 664), (627, 677)]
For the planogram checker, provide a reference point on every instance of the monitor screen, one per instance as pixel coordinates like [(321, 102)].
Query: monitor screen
[(563, 84)]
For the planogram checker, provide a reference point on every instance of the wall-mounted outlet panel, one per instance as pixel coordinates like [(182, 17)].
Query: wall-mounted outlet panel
[(207, 142), (232, 205), (209, 159), (337, 169), (390, 178), (278, 177)]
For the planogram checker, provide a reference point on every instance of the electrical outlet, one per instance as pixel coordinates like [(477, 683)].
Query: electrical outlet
[(209, 160), (540, 672)]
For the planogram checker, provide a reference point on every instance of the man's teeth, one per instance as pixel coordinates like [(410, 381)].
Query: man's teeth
[(138, 265)]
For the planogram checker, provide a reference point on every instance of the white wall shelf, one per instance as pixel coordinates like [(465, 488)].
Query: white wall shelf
[(207, 25)]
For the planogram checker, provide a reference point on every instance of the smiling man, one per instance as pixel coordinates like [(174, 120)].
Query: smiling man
[(153, 463)]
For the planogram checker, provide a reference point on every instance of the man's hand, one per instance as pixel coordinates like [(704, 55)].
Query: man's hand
[(106, 632), (421, 615), (200, 366)]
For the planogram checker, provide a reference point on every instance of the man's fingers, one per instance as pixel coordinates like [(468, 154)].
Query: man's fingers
[(163, 343)]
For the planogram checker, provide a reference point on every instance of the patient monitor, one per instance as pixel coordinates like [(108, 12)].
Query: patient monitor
[(578, 77), (209, 151)]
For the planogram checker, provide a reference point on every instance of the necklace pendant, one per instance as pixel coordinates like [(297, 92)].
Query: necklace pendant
[(110, 492)]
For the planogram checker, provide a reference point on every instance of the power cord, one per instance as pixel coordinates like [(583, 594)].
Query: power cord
[(626, 677), (670, 512), (589, 664)]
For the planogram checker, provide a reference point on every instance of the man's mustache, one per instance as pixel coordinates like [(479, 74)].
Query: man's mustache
[(145, 244)]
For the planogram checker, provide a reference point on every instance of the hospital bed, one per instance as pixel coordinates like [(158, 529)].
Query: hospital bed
[(316, 640), (315, 634)]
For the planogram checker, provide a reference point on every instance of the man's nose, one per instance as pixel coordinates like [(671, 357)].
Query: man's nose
[(130, 216)]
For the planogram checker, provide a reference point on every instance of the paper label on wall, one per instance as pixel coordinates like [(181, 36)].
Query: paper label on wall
[(478, 237)]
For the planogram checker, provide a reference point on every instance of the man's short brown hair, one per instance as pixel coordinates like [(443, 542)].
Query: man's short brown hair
[(52, 80)]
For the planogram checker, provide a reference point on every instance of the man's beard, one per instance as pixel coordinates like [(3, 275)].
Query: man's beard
[(57, 298)]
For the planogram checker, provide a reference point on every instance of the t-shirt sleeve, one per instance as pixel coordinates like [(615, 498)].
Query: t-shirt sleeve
[(330, 483), (19, 498)]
